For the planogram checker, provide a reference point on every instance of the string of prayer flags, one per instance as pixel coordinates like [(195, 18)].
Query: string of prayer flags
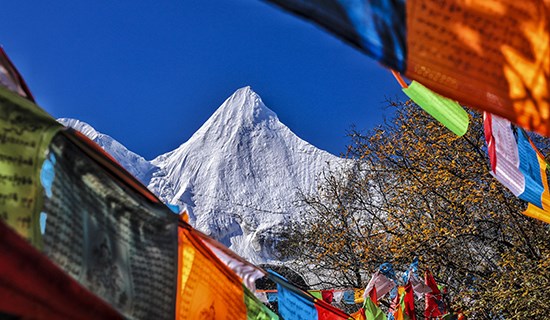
[(517, 164), (448, 112), (435, 306), (491, 55), (297, 304), (25, 134), (207, 288)]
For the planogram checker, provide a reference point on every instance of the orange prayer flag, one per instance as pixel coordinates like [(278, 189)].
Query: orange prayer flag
[(206, 287), (491, 55)]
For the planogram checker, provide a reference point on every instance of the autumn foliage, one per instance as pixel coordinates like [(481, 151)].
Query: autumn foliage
[(414, 189)]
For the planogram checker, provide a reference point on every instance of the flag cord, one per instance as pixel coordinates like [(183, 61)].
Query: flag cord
[(399, 79)]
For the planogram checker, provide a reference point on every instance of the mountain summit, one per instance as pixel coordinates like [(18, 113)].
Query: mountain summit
[(239, 174)]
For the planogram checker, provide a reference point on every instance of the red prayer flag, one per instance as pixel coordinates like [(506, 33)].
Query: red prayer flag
[(434, 301), (327, 295)]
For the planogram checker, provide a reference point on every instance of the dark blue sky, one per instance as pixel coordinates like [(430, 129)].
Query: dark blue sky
[(149, 73)]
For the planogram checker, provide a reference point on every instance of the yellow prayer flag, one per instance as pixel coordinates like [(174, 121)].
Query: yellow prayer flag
[(25, 134)]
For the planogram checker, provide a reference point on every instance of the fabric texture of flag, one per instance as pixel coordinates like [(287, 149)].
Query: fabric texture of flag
[(490, 55), (297, 304), (534, 211), (327, 295), (33, 287), (435, 307), (248, 272), (207, 288), (25, 135), (372, 311), (503, 153), (116, 241), (382, 283), (448, 112)]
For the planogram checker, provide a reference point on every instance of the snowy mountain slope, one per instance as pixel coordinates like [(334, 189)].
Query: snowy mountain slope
[(239, 173), (132, 162), (237, 176)]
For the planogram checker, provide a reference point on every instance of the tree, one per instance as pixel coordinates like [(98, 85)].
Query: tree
[(413, 188)]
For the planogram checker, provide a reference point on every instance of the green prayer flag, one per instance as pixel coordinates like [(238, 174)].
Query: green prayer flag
[(25, 133), (255, 309), (448, 112), (372, 312), (317, 294)]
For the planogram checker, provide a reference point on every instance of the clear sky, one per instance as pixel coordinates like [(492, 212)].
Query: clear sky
[(149, 73)]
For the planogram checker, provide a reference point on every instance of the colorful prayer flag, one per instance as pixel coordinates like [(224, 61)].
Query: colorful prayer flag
[(517, 164), (327, 295), (490, 55), (531, 169), (25, 134), (408, 301), (534, 211), (503, 153), (358, 295), (207, 288), (435, 307), (316, 294), (448, 112), (381, 282)]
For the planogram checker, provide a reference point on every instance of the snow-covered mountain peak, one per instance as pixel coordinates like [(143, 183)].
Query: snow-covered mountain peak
[(241, 112), (135, 164), (242, 108), (239, 175)]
